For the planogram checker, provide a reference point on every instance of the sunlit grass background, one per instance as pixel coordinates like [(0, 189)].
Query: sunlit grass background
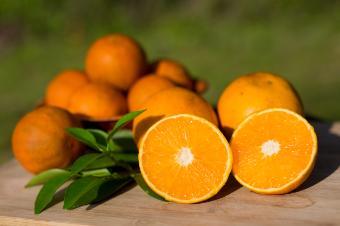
[(217, 40)]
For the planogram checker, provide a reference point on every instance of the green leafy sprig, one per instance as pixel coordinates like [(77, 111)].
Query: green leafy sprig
[(111, 165)]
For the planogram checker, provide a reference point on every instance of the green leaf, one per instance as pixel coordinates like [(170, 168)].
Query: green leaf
[(126, 157), (47, 192), (45, 176), (142, 184), (84, 161), (90, 190), (110, 187), (82, 191), (125, 119), (123, 141), (102, 162), (85, 137), (100, 136), (96, 173), (123, 134)]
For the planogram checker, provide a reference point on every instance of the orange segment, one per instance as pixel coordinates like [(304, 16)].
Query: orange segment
[(274, 151), (185, 158)]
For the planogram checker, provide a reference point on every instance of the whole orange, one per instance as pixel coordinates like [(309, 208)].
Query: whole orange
[(60, 89), (168, 102), (40, 142), (145, 88), (98, 101), (115, 59), (173, 71), (254, 92)]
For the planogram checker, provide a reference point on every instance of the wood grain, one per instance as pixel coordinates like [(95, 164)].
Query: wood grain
[(317, 202)]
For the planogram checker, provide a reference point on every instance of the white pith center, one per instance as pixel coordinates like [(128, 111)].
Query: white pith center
[(184, 156), (270, 147)]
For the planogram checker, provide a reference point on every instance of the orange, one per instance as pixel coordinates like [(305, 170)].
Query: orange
[(185, 158), (115, 59), (97, 101), (39, 141), (61, 88), (274, 151), (255, 92), (144, 88), (168, 102), (173, 71)]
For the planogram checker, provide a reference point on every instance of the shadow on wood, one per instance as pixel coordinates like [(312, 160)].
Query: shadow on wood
[(328, 159), (121, 191), (57, 198), (231, 186)]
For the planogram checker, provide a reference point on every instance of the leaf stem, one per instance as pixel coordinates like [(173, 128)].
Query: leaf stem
[(96, 173)]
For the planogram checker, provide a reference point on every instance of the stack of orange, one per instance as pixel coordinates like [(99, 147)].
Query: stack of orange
[(185, 158), (183, 154), (113, 82)]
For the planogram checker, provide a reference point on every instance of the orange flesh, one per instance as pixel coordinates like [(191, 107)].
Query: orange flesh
[(204, 174), (296, 145)]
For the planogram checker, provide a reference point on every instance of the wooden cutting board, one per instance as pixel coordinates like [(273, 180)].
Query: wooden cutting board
[(317, 202)]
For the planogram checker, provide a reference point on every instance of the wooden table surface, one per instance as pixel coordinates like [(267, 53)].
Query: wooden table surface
[(317, 202)]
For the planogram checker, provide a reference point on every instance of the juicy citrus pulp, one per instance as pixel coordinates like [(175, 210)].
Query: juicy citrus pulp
[(274, 151), (185, 158)]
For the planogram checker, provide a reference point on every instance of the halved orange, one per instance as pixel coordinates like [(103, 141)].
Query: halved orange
[(274, 151), (185, 158)]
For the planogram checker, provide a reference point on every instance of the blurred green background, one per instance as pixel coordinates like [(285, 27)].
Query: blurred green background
[(217, 40)]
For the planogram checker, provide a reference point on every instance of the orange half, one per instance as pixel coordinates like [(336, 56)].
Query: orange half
[(274, 151), (185, 158)]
